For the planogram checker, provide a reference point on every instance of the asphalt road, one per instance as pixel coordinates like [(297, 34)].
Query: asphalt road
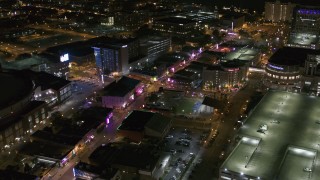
[(212, 159)]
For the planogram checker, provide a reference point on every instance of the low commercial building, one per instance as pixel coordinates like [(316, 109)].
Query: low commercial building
[(52, 89), (248, 55), (133, 161), (120, 93), (229, 75), (139, 124), (175, 26), (201, 16), (10, 174), (62, 142), (279, 140), (209, 105), (48, 153), (185, 79), (171, 61)]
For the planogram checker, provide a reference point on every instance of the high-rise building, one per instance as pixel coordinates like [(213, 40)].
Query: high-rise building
[(306, 20), (111, 59), (305, 28), (114, 55), (153, 47), (277, 11)]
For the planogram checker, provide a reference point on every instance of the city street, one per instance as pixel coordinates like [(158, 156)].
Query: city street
[(215, 155)]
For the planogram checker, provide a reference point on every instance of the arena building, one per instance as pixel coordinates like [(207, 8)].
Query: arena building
[(287, 68), (19, 113)]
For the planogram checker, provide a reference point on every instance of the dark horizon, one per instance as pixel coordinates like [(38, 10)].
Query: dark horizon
[(257, 5)]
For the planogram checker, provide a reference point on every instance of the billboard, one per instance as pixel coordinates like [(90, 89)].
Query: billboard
[(64, 58)]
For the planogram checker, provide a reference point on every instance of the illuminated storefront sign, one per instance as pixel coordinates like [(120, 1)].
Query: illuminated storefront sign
[(64, 58), (275, 67), (234, 69)]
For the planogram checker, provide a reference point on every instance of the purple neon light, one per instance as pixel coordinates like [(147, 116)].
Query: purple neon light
[(275, 67), (139, 90), (305, 11), (64, 160)]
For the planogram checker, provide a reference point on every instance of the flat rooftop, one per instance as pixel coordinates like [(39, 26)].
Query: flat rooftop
[(245, 54), (120, 88), (37, 148), (138, 156), (296, 158), (176, 20), (15, 86), (292, 121), (10, 174), (49, 81), (303, 39), (136, 120)]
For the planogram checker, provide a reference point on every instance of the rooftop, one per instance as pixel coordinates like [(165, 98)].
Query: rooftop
[(49, 81), (233, 64), (245, 54), (176, 20), (15, 86), (87, 120), (184, 73), (291, 56), (136, 121), (48, 136), (137, 156), (287, 146), (81, 48), (303, 39), (12, 175), (158, 123), (121, 87), (37, 148)]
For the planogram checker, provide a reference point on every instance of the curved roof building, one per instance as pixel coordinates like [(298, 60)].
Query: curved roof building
[(286, 66)]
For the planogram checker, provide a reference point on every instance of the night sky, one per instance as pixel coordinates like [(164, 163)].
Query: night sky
[(252, 4)]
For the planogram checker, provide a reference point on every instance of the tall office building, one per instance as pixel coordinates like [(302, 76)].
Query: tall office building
[(114, 55), (110, 59), (305, 28), (306, 20), (277, 11)]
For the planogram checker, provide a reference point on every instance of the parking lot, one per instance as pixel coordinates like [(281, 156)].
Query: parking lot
[(184, 147)]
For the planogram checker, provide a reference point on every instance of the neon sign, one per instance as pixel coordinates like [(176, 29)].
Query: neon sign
[(275, 67)]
